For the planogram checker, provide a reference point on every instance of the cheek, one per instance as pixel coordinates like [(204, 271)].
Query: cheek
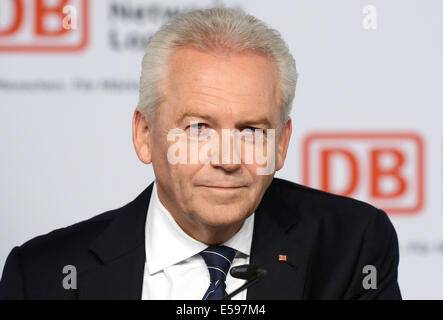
[(184, 172), (256, 180)]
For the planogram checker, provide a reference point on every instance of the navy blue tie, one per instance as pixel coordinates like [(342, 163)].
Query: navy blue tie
[(218, 260)]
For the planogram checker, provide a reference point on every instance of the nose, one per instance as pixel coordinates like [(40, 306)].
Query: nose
[(228, 167), (229, 157)]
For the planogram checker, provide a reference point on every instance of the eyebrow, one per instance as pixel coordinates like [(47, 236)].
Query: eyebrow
[(188, 114), (242, 123), (262, 120)]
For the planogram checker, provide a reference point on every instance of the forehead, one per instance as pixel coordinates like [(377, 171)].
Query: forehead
[(238, 84)]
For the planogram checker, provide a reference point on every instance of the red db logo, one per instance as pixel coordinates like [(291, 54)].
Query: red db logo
[(384, 169), (42, 25)]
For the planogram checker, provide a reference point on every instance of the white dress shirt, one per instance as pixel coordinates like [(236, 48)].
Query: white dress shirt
[(174, 269)]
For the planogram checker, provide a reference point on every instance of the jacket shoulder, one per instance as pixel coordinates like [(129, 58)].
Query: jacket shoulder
[(323, 206), (76, 233), (344, 235), (35, 268), (66, 246)]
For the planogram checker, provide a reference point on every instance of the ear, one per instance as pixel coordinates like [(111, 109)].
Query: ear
[(141, 137), (283, 144)]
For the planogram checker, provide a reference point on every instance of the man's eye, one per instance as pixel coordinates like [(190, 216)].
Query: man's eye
[(197, 126), (251, 129)]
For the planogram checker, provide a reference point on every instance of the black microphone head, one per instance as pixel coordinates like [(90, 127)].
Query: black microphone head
[(247, 271)]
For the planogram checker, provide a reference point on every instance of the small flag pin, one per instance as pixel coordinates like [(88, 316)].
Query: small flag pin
[(282, 257)]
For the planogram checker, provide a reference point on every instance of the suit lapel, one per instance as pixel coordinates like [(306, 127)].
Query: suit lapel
[(280, 230), (121, 251)]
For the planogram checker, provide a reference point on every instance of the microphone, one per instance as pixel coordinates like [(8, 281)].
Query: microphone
[(250, 272)]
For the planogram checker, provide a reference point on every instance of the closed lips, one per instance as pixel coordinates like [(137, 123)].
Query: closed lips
[(224, 187)]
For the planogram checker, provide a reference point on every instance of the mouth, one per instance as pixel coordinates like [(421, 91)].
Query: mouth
[(225, 188)]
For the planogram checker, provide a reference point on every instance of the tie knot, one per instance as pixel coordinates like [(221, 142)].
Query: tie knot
[(218, 260)]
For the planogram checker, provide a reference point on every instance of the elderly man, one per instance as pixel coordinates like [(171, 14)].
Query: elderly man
[(213, 119)]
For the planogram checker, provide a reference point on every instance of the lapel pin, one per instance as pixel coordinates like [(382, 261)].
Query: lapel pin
[(282, 257)]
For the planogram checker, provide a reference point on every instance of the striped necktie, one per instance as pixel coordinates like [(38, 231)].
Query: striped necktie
[(218, 260)]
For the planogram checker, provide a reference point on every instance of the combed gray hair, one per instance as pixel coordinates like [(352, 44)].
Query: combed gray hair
[(214, 30)]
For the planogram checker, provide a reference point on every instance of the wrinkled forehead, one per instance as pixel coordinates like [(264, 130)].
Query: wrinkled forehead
[(239, 85)]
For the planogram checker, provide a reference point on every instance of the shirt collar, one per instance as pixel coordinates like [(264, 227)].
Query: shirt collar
[(167, 244)]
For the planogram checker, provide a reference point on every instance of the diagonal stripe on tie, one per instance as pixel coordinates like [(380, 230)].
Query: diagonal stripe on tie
[(218, 260)]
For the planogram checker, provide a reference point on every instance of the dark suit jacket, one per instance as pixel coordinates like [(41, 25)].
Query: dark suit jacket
[(327, 240)]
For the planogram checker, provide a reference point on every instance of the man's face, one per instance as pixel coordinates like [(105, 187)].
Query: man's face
[(218, 92)]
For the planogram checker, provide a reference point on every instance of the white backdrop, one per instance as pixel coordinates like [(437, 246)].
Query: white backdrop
[(65, 116)]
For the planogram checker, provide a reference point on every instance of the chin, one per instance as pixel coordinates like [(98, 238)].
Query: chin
[(220, 216)]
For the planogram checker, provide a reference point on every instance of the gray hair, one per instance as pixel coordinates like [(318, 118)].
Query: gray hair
[(214, 30)]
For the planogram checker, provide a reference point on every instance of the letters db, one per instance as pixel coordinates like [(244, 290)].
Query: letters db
[(41, 25), (384, 169)]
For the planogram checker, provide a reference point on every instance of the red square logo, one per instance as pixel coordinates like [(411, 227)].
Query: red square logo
[(42, 25), (384, 169)]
